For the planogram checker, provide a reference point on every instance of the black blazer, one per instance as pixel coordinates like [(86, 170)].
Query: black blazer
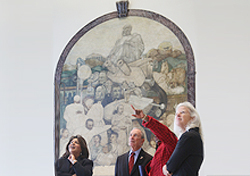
[(188, 154), (83, 167), (121, 166)]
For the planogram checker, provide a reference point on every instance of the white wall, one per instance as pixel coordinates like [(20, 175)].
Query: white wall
[(34, 33)]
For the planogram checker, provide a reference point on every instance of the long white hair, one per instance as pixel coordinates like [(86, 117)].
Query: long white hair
[(195, 122)]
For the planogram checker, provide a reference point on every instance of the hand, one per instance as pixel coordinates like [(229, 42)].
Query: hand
[(138, 113), (165, 171), (72, 158)]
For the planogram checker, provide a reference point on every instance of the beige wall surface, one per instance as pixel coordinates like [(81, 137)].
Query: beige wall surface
[(33, 34)]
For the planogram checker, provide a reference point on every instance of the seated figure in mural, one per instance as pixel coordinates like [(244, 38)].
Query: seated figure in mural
[(128, 48), (75, 160)]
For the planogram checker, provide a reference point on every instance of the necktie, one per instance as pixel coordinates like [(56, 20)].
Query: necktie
[(131, 162)]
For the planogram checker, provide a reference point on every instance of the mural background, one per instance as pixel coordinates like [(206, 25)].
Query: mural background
[(118, 63)]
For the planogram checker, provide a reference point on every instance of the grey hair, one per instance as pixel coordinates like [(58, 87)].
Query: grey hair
[(142, 134), (195, 122)]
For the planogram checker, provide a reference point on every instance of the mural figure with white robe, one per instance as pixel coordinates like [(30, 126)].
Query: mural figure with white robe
[(74, 115), (128, 48)]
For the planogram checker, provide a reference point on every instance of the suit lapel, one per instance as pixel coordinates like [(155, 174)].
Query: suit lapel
[(127, 164)]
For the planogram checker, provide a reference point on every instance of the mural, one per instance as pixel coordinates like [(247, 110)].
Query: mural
[(110, 66)]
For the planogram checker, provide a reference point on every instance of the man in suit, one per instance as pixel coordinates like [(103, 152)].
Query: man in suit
[(140, 158)]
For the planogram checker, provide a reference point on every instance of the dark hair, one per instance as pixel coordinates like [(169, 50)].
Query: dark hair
[(83, 144), (115, 133), (89, 120), (116, 110), (99, 136)]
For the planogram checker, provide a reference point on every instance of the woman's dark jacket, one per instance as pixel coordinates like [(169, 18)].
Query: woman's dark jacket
[(188, 154), (83, 167)]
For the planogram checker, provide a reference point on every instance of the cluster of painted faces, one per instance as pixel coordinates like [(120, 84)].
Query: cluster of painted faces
[(101, 92)]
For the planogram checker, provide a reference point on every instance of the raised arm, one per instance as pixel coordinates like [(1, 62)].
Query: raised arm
[(162, 132)]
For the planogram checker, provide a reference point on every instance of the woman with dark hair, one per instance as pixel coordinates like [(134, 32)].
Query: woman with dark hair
[(74, 161)]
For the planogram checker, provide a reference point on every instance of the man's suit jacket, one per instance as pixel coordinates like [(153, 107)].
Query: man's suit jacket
[(121, 167)]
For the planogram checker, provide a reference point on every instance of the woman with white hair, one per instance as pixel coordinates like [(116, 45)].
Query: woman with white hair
[(188, 153)]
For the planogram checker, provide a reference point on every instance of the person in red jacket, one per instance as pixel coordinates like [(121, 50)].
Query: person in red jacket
[(165, 147)]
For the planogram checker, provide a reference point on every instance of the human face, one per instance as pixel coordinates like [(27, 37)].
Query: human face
[(182, 117), (99, 94), (126, 31), (65, 133), (96, 140), (102, 78), (89, 125), (135, 139), (120, 109), (105, 149), (116, 92), (75, 147), (113, 138)]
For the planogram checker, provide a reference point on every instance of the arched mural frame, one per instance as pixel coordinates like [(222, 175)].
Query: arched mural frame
[(190, 69)]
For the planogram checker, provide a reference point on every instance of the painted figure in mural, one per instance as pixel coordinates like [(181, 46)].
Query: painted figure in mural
[(74, 115), (140, 157), (128, 48), (87, 130), (92, 81), (96, 110), (87, 103), (105, 157), (131, 89), (117, 148), (117, 92), (108, 97), (64, 138), (100, 93), (169, 68), (75, 160), (96, 147), (107, 84), (103, 77), (165, 147), (121, 124)]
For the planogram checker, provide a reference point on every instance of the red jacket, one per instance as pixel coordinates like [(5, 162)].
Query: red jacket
[(166, 147)]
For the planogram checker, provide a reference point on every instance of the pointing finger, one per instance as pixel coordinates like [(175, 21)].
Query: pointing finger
[(133, 107)]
